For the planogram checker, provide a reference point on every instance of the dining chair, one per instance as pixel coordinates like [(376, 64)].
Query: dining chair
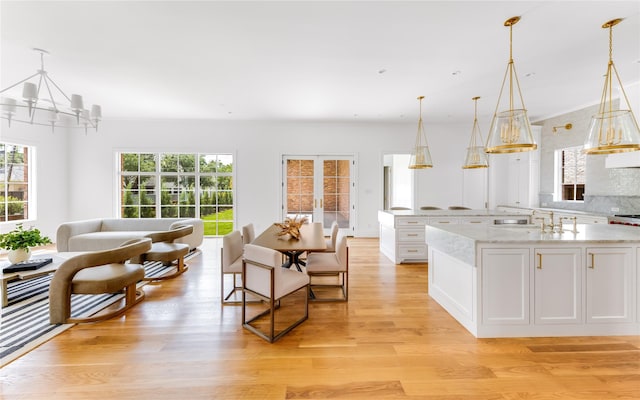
[(264, 278), (331, 241), (320, 266), (231, 264), (430, 208), (458, 208), (248, 234)]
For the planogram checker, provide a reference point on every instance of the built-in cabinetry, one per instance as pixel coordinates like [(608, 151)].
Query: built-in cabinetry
[(514, 178), (521, 282), (610, 284), (402, 233), (557, 286)]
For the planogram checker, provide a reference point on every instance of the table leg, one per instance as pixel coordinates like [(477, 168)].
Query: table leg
[(293, 258)]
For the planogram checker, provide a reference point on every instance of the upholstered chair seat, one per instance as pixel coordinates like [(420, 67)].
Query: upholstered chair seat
[(97, 272), (324, 266), (166, 250), (248, 234), (231, 264), (265, 279)]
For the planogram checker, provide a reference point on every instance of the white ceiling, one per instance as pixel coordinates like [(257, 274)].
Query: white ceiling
[(319, 61)]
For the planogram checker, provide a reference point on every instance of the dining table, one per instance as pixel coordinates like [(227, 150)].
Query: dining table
[(311, 239)]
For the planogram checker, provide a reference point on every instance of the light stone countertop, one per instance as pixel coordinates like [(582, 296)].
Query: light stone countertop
[(450, 213), (460, 241)]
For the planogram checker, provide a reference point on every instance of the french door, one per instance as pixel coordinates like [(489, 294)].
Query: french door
[(320, 188)]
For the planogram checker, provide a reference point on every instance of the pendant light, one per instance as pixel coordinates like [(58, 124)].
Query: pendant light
[(612, 130), (510, 130), (39, 105), (476, 157), (420, 157)]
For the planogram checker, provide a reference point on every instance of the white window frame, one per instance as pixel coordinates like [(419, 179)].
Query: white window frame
[(158, 174), (30, 203), (558, 174)]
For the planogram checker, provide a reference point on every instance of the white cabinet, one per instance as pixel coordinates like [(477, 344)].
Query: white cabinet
[(514, 178), (505, 286), (610, 281), (558, 285), (402, 238)]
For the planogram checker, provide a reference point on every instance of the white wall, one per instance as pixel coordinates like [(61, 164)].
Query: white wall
[(76, 180), (441, 185), (258, 147), (51, 176)]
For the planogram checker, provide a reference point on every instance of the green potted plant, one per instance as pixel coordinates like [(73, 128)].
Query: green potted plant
[(19, 242)]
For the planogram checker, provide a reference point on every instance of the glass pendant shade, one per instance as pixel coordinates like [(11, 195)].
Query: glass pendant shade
[(612, 130), (510, 130), (476, 157), (420, 156)]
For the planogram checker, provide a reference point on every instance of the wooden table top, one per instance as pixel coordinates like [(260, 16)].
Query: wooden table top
[(311, 239)]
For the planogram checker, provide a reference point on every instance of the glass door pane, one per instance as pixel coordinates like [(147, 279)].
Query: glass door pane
[(300, 188), (336, 192), (319, 188)]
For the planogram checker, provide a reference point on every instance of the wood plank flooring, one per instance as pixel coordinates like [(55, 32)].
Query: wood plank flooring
[(390, 341)]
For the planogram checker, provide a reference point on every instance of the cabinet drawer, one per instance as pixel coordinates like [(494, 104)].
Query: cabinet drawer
[(476, 221), (442, 221), (411, 222), (410, 235), (413, 252)]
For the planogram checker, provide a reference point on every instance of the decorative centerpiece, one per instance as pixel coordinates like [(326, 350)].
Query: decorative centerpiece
[(20, 240), (291, 227)]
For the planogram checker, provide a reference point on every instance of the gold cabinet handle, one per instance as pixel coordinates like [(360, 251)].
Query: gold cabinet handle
[(315, 203), (320, 203), (539, 260), (412, 234), (412, 222), (593, 260), (412, 251)]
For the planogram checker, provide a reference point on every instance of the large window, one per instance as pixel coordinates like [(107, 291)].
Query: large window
[(571, 162), (178, 185), (15, 171)]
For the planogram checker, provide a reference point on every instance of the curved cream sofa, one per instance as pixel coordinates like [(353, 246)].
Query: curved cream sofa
[(109, 233)]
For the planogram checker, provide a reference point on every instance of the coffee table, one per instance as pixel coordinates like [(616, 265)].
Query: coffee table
[(58, 258)]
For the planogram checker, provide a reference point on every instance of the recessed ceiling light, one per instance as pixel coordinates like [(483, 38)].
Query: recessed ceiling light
[(456, 73), (529, 75), (382, 71)]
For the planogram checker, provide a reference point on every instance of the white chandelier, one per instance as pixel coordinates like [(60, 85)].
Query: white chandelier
[(31, 109)]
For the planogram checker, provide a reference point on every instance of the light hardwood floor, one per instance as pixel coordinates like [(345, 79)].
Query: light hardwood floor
[(389, 341)]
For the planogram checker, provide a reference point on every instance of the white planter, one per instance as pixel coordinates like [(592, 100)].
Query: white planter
[(16, 256)]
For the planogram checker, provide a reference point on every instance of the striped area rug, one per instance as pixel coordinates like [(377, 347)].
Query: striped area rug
[(24, 323)]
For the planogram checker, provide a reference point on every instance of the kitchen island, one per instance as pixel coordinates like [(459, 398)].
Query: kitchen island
[(515, 281), (402, 231)]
